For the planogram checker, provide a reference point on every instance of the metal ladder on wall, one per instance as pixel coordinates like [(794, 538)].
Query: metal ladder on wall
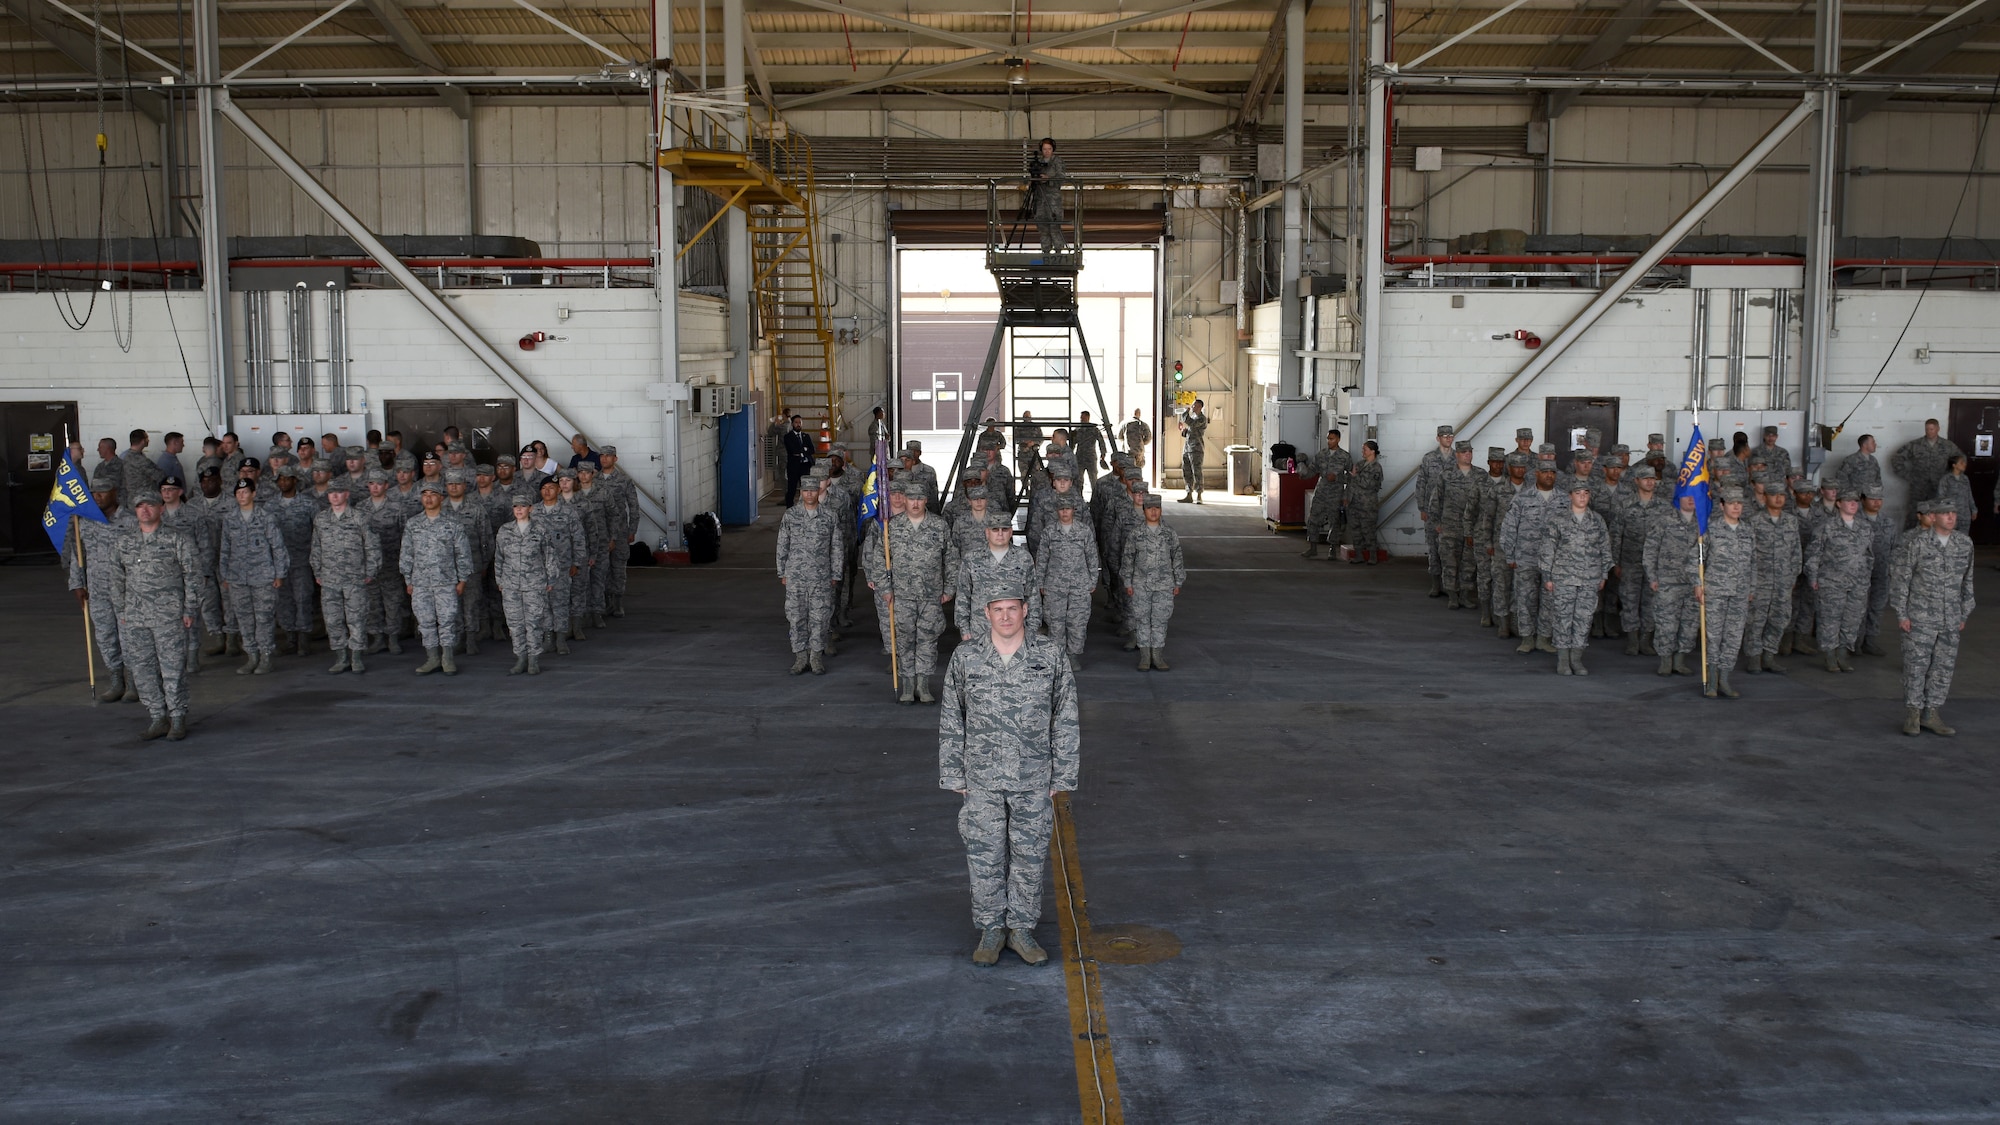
[(768, 172)]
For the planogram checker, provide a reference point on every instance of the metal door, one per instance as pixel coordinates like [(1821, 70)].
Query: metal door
[(31, 445), (1566, 419), (1975, 428), (489, 426)]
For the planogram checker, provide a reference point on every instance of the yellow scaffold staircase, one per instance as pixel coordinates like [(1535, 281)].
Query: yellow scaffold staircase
[(773, 183)]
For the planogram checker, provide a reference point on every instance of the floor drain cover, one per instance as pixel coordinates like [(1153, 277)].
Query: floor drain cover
[(1133, 945)]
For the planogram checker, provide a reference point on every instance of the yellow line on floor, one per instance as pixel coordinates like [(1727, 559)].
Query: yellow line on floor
[(1096, 1075)]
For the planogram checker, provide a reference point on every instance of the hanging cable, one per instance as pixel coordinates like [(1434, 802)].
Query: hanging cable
[(1944, 246)]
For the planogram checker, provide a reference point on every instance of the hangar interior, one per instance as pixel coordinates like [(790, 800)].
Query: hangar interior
[(531, 219)]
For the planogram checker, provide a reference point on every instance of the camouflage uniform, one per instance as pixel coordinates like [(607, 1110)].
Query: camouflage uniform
[(1673, 543), (197, 523), (1804, 601), (1138, 435), (610, 519), (435, 557), (1364, 507), (1921, 464), (1007, 736), (346, 557), (1435, 464), (621, 494), (1575, 556), (1333, 467), (1843, 557), (1496, 590), (96, 540), (978, 570), (1066, 571), (1859, 471), (1882, 556), (1454, 506), (1521, 536), (564, 531), (1731, 583), (137, 473), (388, 604), (1931, 588), (1628, 553), (526, 565), (923, 568), (252, 556), (475, 520), (1779, 557), (1956, 490), (1194, 444), (871, 548), (154, 583), (294, 518), (810, 557), (587, 588), (1151, 566)]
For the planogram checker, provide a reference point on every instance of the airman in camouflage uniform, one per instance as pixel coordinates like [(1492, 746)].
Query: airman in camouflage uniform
[(611, 517), (386, 605), (1924, 462), (919, 475), (1138, 435), (1521, 535), (294, 511), (996, 560), (921, 577), (1842, 559), (1810, 515), (1042, 509), (1672, 563), (1628, 555), (464, 507), (526, 569), (1930, 595), (1887, 532), (1333, 466), (1364, 504), (153, 575), (252, 564), (1779, 558), (1153, 571), (622, 492), (1430, 470), (90, 576), (437, 566), (871, 548), (809, 562), (1731, 583), (1066, 572), (1498, 592), (564, 531), (1860, 469), (1453, 505), (588, 583), (346, 557), (1008, 741), (138, 473), (194, 522), (1486, 507), (1576, 555)]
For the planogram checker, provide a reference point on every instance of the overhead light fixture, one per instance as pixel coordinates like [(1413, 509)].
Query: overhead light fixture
[(1017, 72)]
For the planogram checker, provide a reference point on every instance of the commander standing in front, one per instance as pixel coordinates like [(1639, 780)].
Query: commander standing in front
[(1007, 743)]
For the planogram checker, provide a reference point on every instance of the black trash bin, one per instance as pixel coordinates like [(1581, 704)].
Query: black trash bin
[(704, 536)]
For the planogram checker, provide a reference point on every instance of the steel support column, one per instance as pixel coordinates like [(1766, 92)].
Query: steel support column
[(1291, 256), (666, 284), (372, 246), (214, 227), (738, 221), (1612, 293), (1374, 211), (1822, 235)]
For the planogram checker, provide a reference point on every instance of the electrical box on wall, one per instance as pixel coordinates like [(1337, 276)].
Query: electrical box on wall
[(714, 400)]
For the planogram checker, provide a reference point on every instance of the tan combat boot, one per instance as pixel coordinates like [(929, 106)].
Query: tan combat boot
[(1934, 723), (1912, 724), (1023, 943), (991, 941)]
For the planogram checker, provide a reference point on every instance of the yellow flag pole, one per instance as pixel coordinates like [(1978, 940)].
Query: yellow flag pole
[(89, 648), (895, 664)]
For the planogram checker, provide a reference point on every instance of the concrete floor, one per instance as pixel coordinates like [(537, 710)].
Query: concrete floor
[(1414, 877)]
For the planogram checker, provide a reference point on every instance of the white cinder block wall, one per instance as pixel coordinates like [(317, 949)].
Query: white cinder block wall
[(596, 372), (1440, 364)]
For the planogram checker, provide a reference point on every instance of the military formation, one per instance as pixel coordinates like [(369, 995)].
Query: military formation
[(366, 546), (1558, 557)]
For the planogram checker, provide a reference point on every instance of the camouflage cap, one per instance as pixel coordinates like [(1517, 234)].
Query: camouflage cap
[(1579, 485), (1517, 458), (342, 486), (147, 496), (913, 446), (1495, 453), (1732, 495), (406, 460), (1644, 472), (377, 476), (455, 447), (1935, 506), (1061, 470), (591, 467), (1718, 443), (1005, 589), (1524, 434), (976, 492), (1546, 449), (288, 472), (322, 467), (607, 451), (1152, 500), (1871, 492), (355, 452), (1803, 487), (278, 458), (999, 519), (899, 487), (1066, 502), (1621, 451), (1770, 431), (523, 500), (1593, 436), (431, 486), (207, 461), (1656, 439), (457, 476), (1853, 494), (1447, 431), (1461, 447), (565, 474), (1136, 485), (507, 459), (811, 482), (482, 470)]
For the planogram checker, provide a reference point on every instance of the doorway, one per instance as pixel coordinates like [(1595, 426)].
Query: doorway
[(489, 426), (1567, 418), (1975, 428), (31, 447)]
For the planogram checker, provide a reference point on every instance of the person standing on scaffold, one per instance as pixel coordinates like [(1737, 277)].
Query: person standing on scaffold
[(1045, 183)]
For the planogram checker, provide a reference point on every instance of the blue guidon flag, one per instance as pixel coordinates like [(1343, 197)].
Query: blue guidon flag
[(69, 497), (872, 505), (1693, 480)]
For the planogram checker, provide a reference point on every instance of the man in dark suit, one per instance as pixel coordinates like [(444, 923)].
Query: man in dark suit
[(798, 459)]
